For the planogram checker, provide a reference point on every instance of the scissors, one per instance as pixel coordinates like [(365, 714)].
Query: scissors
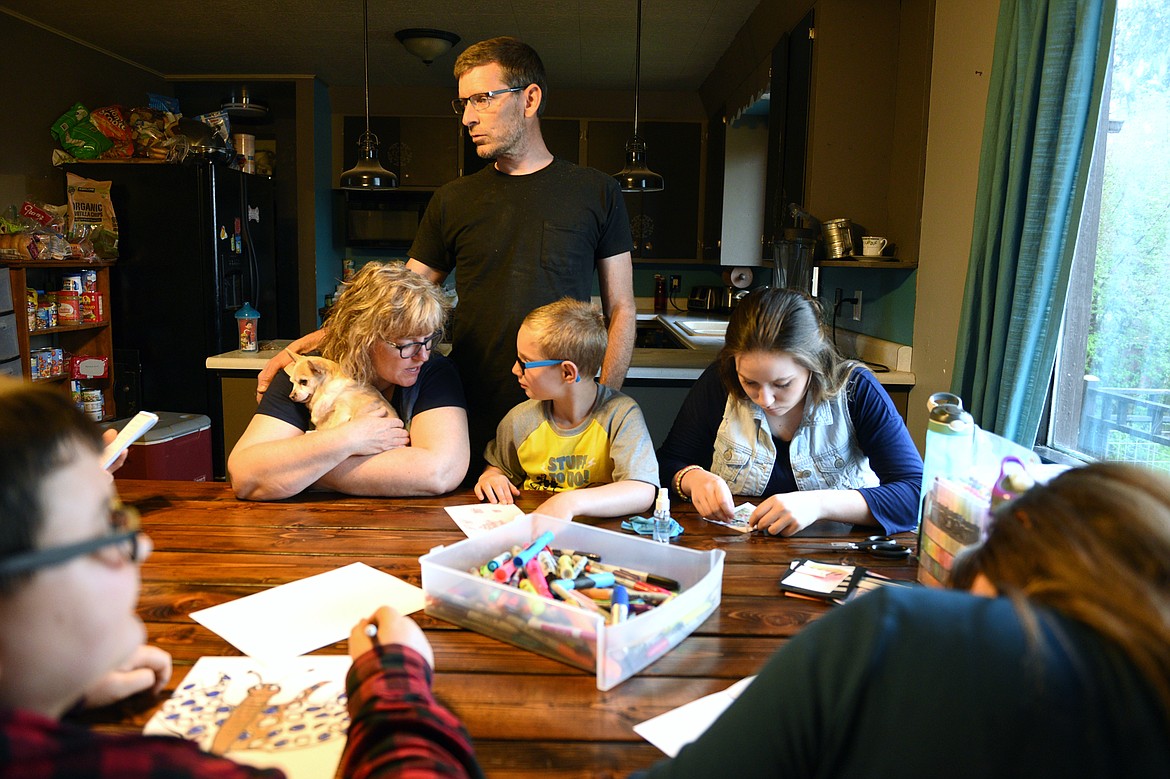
[(878, 546)]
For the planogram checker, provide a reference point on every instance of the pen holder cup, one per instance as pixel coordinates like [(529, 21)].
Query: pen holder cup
[(568, 633)]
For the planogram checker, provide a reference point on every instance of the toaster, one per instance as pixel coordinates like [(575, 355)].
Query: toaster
[(703, 299)]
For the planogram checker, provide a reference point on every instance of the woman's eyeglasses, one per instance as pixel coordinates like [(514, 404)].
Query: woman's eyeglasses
[(408, 350), (125, 529), (481, 101)]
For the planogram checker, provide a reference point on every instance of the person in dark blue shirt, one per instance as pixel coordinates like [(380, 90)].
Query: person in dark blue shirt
[(780, 415)]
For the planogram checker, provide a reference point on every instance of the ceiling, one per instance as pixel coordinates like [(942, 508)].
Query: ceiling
[(585, 44)]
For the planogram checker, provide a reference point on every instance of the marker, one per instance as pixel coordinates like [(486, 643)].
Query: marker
[(565, 567), (619, 610), (498, 560), (530, 551), (536, 577), (574, 553), (600, 579), (372, 630), (652, 578)]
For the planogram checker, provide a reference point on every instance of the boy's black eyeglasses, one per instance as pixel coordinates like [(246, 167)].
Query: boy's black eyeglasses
[(408, 350), (125, 526), (481, 101)]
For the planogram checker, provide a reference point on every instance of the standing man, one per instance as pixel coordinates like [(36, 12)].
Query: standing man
[(523, 232)]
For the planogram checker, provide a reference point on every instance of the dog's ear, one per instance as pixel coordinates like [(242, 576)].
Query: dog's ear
[(291, 369), (319, 368)]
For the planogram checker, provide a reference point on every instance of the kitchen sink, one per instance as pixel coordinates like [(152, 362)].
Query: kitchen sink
[(704, 327), (652, 334)]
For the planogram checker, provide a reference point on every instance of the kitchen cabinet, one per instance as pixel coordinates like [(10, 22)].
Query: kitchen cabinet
[(92, 339), (423, 151), (665, 225)]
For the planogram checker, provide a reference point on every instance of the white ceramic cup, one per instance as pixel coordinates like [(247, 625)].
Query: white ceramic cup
[(872, 245)]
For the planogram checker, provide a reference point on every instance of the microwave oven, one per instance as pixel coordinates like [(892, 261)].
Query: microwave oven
[(379, 220)]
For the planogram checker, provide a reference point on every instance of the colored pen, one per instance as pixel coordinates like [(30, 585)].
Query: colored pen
[(530, 551), (536, 576), (652, 578), (600, 579), (574, 553), (619, 610), (498, 560), (565, 567)]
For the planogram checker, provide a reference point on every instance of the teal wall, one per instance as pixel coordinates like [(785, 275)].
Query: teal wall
[(887, 300)]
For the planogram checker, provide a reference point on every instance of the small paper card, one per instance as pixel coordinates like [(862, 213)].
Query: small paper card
[(739, 521), (475, 519), (304, 615), (808, 577)]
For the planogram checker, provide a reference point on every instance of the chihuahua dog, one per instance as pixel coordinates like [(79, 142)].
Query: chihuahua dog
[(332, 397)]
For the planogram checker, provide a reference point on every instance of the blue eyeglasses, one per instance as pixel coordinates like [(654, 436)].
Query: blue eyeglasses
[(539, 364)]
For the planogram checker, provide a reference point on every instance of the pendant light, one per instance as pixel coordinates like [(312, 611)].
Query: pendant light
[(636, 177), (368, 174)]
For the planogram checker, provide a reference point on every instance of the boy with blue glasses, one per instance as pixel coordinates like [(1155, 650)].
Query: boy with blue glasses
[(584, 442)]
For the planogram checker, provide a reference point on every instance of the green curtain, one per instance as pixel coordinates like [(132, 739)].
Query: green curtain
[(1047, 79)]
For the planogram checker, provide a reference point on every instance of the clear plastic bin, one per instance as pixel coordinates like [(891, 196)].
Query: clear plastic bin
[(558, 630)]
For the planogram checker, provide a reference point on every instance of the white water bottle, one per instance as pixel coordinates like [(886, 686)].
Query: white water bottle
[(663, 524)]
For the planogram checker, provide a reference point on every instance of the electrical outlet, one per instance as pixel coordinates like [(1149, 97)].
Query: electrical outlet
[(856, 305), (675, 282)]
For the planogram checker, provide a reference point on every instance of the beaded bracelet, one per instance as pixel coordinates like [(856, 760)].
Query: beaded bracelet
[(678, 477)]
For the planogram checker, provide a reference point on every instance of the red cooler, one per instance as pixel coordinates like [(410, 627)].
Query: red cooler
[(178, 448)]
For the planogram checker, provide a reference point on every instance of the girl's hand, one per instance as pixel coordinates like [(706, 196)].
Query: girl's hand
[(710, 494), (783, 515)]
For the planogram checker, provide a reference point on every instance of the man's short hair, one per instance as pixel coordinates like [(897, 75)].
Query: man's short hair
[(519, 61)]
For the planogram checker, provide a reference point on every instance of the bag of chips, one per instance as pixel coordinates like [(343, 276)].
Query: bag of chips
[(112, 124), (90, 205), (78, 135)]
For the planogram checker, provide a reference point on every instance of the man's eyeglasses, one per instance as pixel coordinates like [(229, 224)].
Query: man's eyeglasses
[(481, 101), (125, 528), (408, 350)]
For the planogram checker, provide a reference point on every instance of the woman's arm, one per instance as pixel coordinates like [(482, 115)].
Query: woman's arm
[(274, 459), (434, 463)]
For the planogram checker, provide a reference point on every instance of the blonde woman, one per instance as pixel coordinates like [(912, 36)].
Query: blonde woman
[(383, 331)]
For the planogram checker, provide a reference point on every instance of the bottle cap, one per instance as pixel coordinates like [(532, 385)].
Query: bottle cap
[(247, 312), (662, 502)]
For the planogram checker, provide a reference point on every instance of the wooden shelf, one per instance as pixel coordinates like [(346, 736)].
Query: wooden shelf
[(868, 262), (91, 338)]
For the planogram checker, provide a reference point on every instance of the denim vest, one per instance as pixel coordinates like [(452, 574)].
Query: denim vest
[(824, 453)]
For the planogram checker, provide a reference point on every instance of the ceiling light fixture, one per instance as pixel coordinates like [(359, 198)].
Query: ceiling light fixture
[(425, 43), (636, 177), (368, 173)]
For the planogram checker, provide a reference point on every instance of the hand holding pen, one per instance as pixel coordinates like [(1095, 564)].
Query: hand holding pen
[(387, 626)]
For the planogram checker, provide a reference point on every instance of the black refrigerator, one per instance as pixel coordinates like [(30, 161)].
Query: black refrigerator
[(196, 241)]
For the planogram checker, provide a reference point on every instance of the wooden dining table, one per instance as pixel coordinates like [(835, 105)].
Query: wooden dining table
[(528, 715)]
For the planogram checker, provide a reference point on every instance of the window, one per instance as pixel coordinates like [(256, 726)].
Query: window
[(1111, 395)]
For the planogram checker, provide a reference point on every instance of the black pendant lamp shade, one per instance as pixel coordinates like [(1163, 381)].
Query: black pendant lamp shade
[(368, 173), (636, 176)]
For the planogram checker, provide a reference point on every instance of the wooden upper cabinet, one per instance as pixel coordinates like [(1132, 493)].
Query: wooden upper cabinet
[(423, 151)]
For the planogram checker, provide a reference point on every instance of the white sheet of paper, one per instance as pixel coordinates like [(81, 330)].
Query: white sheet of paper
[(304, 615), (673, 730), (215, 703), (475, 519)]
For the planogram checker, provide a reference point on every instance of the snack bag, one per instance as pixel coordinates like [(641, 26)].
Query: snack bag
[(79, 136), (112, 124), (90, 204)]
